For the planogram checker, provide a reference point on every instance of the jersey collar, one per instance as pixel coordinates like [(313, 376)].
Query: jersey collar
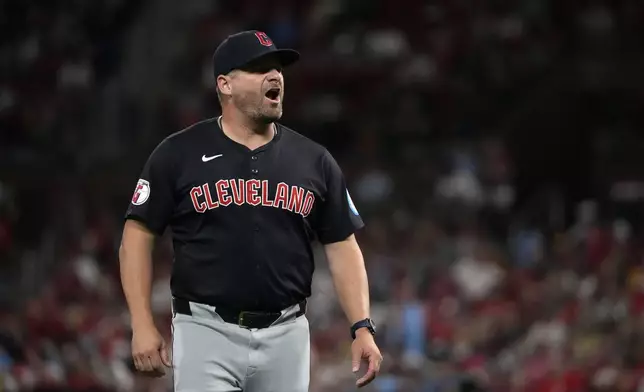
[(275, 139)]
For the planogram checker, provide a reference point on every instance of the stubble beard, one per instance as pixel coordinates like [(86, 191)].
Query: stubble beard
[(261, 112), (267, 113)]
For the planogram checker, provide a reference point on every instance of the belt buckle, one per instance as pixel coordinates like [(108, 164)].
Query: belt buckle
[(240, 319)]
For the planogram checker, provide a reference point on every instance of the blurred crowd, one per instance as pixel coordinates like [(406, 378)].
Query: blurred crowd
[(477, 279)]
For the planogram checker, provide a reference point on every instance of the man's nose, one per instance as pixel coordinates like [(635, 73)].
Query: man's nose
[(274, 74)]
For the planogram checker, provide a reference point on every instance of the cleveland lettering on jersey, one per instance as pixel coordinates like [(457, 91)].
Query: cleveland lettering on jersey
[(238, 191)]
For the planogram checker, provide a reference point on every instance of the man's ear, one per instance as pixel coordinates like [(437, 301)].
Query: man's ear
[(223, 85)]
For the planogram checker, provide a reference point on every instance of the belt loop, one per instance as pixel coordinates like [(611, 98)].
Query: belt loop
[(181, 306)]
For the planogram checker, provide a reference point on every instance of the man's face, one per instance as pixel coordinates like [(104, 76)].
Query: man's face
[(258, 90)]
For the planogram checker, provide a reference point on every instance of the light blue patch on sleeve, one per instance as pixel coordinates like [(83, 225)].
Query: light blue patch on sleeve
[(351, 205)]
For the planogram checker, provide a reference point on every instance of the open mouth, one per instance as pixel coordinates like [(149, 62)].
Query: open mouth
[(273, 94)]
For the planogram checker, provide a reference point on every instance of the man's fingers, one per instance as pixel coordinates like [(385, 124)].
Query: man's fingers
[(356, 357), (372, 372), (152, 367), (152, 364), (165, 357), (143, 363), (156, 362), (377, 362), (367, 378), (138, 365)]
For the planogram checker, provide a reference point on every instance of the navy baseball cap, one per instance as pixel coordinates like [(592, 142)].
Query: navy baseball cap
[(240, 49)]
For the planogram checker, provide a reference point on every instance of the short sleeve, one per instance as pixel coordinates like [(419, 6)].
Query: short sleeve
[(338, 217), (153, 199)]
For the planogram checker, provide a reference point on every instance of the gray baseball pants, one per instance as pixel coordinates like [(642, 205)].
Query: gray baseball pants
[(211, 355)]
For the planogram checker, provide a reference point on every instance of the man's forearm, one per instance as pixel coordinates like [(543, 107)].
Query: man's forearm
[(136, 276), (350, 278)]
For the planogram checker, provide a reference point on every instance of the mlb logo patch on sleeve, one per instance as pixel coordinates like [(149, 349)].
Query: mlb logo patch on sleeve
[(141, 193)]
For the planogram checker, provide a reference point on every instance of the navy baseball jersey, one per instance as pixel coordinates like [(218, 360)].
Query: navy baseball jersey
[(243, 221)]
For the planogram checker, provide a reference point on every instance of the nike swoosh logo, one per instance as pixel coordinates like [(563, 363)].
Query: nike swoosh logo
[(206, 159)]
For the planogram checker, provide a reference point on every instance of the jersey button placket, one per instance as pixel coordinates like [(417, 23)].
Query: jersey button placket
[(254, 170), (256, 228)]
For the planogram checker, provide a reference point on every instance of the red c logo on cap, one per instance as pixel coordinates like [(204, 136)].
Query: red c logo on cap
[(263, 38)]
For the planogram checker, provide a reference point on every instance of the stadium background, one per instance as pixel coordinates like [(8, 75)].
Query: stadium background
[(494, 149)]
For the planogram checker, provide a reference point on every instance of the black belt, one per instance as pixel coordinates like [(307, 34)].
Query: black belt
[(245, 319)]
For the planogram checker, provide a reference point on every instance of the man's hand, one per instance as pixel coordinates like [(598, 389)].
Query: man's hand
[(364, 348), (149, 352), (148, 348)]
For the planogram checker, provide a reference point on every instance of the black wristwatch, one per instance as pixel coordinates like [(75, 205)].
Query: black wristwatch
[(366, 323)]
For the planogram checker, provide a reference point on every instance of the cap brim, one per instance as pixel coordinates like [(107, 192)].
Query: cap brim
[(285, 57)]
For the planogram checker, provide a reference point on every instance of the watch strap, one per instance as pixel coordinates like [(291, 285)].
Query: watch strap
[(366, 323)]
